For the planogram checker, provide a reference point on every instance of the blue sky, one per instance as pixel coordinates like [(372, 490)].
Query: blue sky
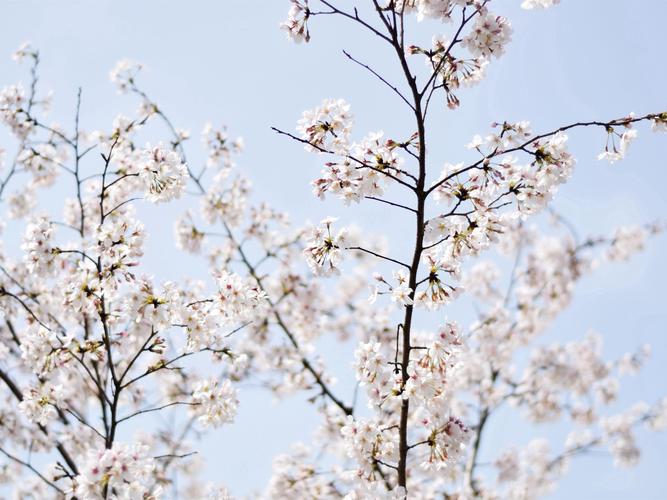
[(228, 62)]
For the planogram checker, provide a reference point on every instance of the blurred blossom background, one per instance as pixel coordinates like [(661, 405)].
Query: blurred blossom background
[(229, 63)]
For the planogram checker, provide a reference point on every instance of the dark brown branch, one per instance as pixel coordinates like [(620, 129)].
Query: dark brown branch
[(379, 256), (149, 410), (618, 122), (33, 469), (472, 458), (326, 391), (19, 395), (349, 157), (355, 17), (391, 203)]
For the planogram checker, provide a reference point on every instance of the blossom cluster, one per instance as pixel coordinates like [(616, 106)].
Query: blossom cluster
[(123, 469), (163, 173), (325, 247), (216, 402), (89, 342), (84, 329)]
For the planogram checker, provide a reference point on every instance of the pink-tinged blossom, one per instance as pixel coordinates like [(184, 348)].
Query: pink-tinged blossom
[(124, 470), (25, 50), (373, 163), (21, 204), (220, 147), (324, 248), (296, 25), (124, 73), (188, 237), (326, 127), (89, 342), (365, 442), (42, 162), (215, 402), (447, 444), (489, 36), (40, 403), (294, 475), (163, 174), (40, 252), (13, 110), (401, 292), (617, 144), (237, 299), (226, 200), (627, 241)]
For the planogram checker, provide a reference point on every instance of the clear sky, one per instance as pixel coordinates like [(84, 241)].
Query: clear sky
[(227, 61)]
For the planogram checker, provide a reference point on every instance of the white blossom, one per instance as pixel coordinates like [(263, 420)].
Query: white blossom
[(216, 402), (163, 174), (488, 36), (324, 248), (296, 25), (124, 73), (40, 404), (13, 110), (327, 126), (237, 299), (123, 469)]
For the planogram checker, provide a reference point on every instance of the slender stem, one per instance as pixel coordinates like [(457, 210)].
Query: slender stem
[(361, 163), (379, 256), (158, 408), (19, 395), (618, 122), (472, 458), (77, 159), (398, 205), (381, 78), (32, 468), (419, 240), (326, 391)]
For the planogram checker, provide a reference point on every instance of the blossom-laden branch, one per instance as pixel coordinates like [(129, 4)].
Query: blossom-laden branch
[(318, 377), (85, 329), (94, 344), (410, 395)]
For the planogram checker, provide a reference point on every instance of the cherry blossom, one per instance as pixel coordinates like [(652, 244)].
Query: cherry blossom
[(237, 299), (327, 126), (296, 25), (123, 469), (489, 36), (539, 4), (124, 73), (12, 110), (39, 404), (163, 174), (216, 402), (324, 248), (96, 341)]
